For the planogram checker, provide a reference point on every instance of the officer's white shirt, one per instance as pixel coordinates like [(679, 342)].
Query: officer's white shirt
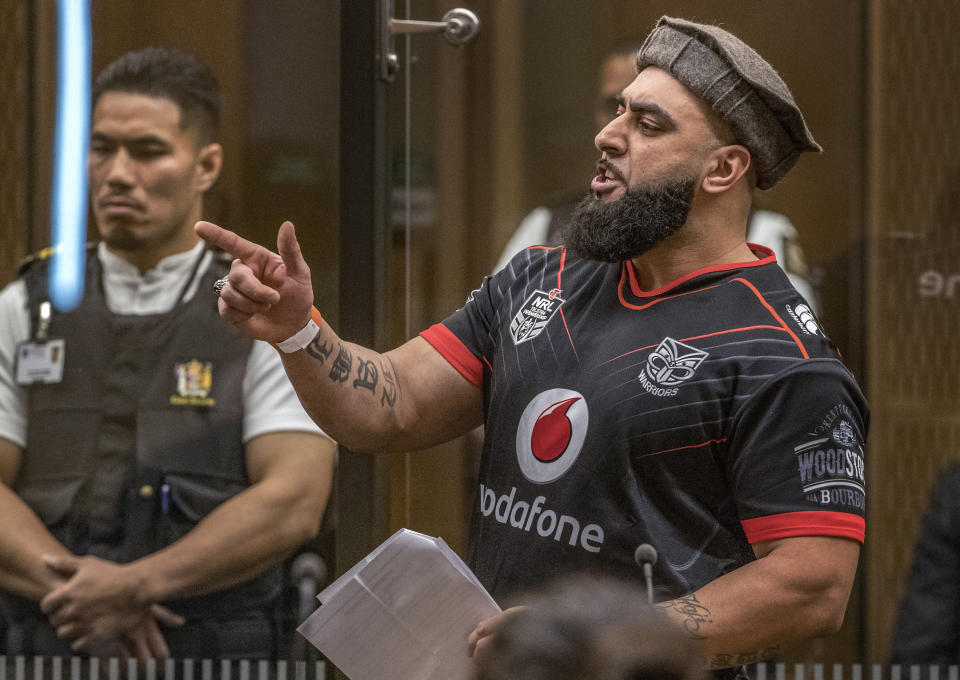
[(269, 401)]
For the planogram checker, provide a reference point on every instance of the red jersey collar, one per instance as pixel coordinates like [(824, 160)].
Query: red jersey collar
[(766, 257)]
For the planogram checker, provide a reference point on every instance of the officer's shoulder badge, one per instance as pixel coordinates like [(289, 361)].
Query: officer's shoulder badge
[(32, 259), (44, 254)]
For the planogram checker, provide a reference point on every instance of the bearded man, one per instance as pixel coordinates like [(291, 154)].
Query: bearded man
[(650, 381)]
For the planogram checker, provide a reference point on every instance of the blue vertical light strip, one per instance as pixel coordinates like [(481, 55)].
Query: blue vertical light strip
[(68, 210)]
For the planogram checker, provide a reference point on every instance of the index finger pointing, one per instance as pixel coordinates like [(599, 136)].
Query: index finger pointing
[(227, 240)]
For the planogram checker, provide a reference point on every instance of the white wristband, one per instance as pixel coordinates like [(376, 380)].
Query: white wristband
[(300, 339)]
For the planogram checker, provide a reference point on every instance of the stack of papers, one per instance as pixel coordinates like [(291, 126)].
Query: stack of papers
[(404, 611)]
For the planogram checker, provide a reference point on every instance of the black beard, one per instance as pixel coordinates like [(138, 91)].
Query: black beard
[(628, 227)]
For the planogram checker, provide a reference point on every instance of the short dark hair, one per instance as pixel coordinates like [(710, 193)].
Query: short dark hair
[(167, 73)]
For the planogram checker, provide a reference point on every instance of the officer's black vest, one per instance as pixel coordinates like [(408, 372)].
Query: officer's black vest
[(142, 438)]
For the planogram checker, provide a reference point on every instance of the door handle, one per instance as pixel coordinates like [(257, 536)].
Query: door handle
[(459, 26)]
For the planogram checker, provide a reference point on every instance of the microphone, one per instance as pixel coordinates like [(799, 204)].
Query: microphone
[(646, 556), (307, 571)]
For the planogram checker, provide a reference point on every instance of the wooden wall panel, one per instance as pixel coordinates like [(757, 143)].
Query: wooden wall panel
[(914, 276), (14, 135)]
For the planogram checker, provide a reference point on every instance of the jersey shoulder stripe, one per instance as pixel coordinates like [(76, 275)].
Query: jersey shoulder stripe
[(783, 324), (455, 352)]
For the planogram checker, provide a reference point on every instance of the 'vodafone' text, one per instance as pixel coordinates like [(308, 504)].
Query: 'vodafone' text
[(528, 517)]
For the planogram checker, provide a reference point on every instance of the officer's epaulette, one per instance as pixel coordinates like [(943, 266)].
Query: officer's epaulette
[(42, 255)]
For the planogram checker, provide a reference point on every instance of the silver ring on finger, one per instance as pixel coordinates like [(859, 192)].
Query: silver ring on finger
[(219, 284)]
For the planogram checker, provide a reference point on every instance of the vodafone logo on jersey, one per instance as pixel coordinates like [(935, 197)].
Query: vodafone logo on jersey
[(551, 433)]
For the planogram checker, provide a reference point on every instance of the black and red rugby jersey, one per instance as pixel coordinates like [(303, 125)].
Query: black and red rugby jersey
[(700, 417)]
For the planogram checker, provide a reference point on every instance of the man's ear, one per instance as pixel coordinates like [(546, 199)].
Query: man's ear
[(726, 166), (209, 164)]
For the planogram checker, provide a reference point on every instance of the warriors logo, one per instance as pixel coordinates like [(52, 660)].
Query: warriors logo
[(668, 365), (534, 315), (551, 433)]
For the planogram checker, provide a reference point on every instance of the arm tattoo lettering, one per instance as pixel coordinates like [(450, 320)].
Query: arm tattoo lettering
[(367, 376), (694, 613), (319, 350), (389, 395), (342, 365), (722, 661), (742, 658)]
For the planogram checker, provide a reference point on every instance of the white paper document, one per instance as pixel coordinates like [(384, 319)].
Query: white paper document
[(404, 611)]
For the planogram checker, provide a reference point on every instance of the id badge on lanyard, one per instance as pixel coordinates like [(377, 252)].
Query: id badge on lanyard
[(40, 359)]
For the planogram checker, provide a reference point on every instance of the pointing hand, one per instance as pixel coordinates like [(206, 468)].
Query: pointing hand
[(268, 296)]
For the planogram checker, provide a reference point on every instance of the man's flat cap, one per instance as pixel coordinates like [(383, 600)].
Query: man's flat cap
[(739, 85)]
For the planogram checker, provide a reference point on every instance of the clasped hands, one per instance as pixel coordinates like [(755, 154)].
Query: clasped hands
[(99, 605)]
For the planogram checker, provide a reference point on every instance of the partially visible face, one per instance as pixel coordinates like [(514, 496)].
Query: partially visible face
[(147, 178), (616, 73), (660, 133)]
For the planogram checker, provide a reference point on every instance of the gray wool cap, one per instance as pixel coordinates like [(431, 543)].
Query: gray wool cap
[(739, 85)]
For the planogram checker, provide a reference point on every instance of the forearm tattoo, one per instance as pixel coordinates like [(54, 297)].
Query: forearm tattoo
[(389, 396), (728, 660), (319, 350), (342, 365), (367, 376), (694, 613)]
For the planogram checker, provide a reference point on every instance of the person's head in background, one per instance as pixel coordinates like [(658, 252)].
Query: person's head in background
[(153, 152), (586, 628), (617, 70)]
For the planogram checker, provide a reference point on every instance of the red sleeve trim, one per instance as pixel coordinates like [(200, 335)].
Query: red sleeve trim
[(455, 352), (809, 523)]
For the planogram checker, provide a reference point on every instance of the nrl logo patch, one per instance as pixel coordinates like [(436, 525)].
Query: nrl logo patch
[(534, 315)]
